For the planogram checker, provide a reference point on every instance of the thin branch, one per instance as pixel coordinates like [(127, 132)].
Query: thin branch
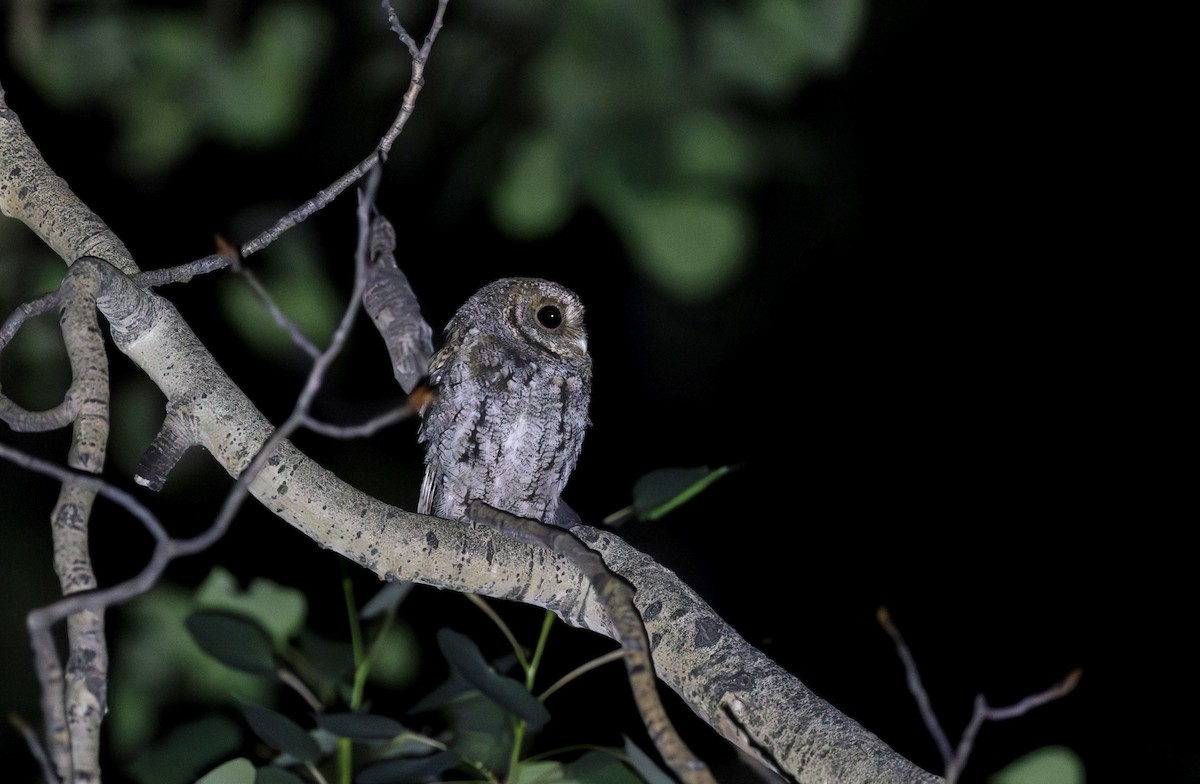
[(182, 273), (586, 667), (325, 196), (364, 430), (166, 549), (495, 618), (35, 747), (281, 318), (1020, 708), (237, 495), (955, 761), (297, 685), (915, 687), (983, 712), (24, 312)]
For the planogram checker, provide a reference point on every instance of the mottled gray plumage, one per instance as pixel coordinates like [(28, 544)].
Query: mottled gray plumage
[(511, 389)]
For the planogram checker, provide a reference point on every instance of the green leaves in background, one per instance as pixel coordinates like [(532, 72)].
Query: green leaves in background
[(235, 771), (280, 732), (241, 771), (409, 769), (233, 641), (468, 663), (664, 489), (171, 78), (1049, 765), (657, 116), (359, 726), (663, 117), (186, 750), (293, 272), (160, 665), (597, 766), (644, 765), (278, 610), (224, 644)]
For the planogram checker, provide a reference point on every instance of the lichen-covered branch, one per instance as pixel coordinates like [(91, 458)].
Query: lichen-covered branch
[(626, 627), (74, 696), (733, 687), (32, 193), (740, 692)]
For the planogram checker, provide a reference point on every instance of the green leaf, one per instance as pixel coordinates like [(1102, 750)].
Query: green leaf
[(400, 771), (258, 94), (390, 595), (707, 147), (278, 610), (645, 766), (598, 767), (236, 771), (272, 775), (467, 661), (449, 690), (540, 772), (536, 192), (1048, 765), (232, 640), (660, 491), (161, 665), (328, 661), (792, 43), (186, 750), (360, 726), (281, 733), (692, 244), (489, 749), (294, 273), (395, 657)]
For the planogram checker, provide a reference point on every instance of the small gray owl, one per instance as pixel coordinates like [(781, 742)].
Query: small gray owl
[(510, 388)]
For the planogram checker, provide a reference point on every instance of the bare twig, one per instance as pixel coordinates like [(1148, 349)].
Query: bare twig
[(956, 760), (35, 747), (325, 196), (627, 625), (41, 620), (364, 430), (914, 685), (182, 273), (288, 325), (586, 667)]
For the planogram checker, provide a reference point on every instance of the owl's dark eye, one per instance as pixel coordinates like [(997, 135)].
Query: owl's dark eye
[(549, 316)]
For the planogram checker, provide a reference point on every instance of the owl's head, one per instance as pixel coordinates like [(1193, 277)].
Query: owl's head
[(540, 313)]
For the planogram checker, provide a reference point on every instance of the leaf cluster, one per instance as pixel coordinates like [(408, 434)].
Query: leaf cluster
[(226, 646)]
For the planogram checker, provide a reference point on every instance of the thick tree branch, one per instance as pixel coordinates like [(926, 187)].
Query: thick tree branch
[(735, 688)]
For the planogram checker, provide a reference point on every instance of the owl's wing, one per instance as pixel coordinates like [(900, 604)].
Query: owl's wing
[(429, 484), (565, 516)]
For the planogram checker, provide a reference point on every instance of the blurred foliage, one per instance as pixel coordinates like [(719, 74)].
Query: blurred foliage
[(293, 274), (665, 489), (652, 113), (29, 269), (172, 77), (222, 648), (663, 117), (1049, 765)]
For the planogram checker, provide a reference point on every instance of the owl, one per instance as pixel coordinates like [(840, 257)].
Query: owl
[(511, 387)]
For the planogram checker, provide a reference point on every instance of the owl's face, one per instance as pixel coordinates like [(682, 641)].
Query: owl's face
[(537, 313)]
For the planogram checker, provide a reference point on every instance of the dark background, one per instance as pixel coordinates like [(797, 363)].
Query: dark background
[(920, 376)]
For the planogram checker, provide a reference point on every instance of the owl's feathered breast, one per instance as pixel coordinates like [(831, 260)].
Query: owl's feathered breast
[(505, 426)]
